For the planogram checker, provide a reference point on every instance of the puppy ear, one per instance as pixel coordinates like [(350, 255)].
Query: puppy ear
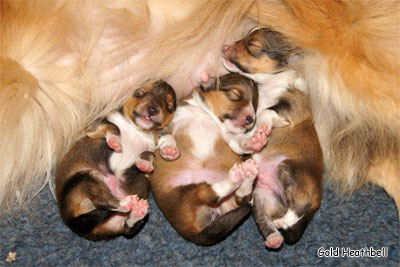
[(212, 84), (171, 102)]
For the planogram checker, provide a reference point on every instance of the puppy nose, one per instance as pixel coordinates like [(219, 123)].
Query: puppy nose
[(152, 111), (249, 120)]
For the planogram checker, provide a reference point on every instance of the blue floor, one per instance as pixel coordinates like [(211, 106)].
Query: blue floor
[(367, 219)]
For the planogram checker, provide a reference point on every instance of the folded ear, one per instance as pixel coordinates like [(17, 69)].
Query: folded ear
[(171, 102), (212, 84)]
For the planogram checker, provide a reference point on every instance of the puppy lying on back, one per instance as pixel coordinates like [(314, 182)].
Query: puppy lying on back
[(101, 187), (205, 193), (288, 188)]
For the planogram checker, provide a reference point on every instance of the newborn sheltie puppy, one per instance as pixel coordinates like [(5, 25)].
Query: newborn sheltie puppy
[(101, 187), (288, 188), (289, 185), (267, 58), (205, 193)]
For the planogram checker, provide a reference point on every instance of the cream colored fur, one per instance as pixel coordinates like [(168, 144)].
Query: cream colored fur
[(65, 64)]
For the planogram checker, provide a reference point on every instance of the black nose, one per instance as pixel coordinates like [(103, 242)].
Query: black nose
[(249, 120), (152, 111)]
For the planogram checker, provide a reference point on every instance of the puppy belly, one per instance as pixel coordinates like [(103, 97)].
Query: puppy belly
[(112, 182), (268, 173), (208, 176)]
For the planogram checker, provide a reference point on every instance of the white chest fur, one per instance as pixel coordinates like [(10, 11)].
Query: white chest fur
[(133, 140), (201, 129)]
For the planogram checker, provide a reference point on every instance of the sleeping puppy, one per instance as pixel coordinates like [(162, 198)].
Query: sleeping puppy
[(288, 189), (101, 187), (205, 194), (351, 70)]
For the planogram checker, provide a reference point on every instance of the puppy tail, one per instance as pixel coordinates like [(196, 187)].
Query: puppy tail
[(293, 234), (84, 224), (221, 227)]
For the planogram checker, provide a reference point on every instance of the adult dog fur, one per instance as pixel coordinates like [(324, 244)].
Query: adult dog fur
[(351, 67)]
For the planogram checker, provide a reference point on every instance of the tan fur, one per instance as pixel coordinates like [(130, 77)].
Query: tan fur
[(352, 68), (65, 63), (184, 213)]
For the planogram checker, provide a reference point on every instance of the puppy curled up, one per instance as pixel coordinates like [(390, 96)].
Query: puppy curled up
[(205, 193), (101, 183), (351, 70), (288, 188)]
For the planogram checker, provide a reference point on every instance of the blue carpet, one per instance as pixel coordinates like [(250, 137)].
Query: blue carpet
[(367, 219)]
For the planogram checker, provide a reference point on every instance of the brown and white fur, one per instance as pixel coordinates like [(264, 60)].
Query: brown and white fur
[(64, 64), (288, 188), (205, 193), (351, 67), (289, 185), (101, 187)]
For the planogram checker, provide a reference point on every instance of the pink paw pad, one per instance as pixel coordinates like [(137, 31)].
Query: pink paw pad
[(114, 143), (236, 173), (250, 169), (170, 152), (274, 241), (140, 209), (259, 140), (144, 165), (128, 203), (263, 129)]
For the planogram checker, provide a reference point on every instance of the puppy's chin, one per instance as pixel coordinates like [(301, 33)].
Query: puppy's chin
[(257, 77), (235, 127), (144, 123), (230, 66)]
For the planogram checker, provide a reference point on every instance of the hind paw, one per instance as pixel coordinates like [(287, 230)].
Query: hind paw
[(126, 204), (236, 174), (250, 169), (274, 241), (144, 165), (170, 153), (138, 212)]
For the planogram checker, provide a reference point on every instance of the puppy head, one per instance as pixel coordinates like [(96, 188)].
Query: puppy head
[(233, 99), (261, 51), (151, 107)]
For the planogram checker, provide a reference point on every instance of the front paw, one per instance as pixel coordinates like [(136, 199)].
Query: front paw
[(114, 142), (250, 169), (144, 165), (257, 142), (170, 153)]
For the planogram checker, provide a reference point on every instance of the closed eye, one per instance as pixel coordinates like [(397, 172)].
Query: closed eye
[(139, 93), (234, 95)]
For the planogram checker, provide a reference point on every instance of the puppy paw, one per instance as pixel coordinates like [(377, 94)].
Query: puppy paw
[(114, 142), (259, 140), (170, 153), (144, 165), (126, 204), (138, 212), (236, 174), (274, 241), (140, 209), (250, 169)]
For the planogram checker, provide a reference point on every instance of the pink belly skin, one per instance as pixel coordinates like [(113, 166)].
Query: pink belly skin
[(205, 175)]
